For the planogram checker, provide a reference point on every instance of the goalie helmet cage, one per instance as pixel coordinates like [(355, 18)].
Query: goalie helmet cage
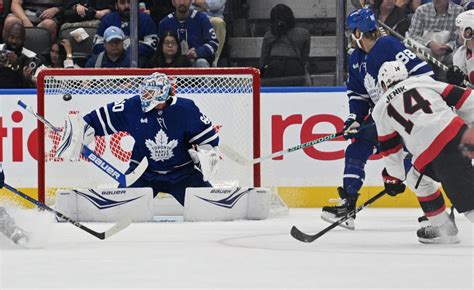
[(230, 97)]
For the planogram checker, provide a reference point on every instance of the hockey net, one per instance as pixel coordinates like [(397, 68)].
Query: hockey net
[(229, 97)]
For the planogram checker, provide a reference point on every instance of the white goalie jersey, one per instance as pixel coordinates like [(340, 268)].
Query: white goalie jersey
[(418, 113)]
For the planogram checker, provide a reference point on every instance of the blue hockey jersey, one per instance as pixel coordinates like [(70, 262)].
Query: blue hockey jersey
[(196, 31), (148, 38), (363, 69), (163, 136)]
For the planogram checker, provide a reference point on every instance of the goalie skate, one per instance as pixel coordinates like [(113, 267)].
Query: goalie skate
[(346, 204)]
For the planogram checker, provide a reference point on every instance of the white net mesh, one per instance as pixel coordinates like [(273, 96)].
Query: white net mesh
[(226, 96)]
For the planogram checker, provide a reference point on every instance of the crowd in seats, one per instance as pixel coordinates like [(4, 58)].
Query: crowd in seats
[(182, 33)]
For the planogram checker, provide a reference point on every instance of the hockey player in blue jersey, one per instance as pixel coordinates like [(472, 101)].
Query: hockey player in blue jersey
[(178, 140), (197, 37), (371, 51)]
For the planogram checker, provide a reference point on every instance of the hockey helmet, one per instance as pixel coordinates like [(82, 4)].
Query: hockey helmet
[(154, 90), (363, 19), (391, 72), (465, 22)]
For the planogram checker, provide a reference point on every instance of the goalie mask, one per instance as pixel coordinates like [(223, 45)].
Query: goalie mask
[(154, 90), (391, 73), (465, 23)]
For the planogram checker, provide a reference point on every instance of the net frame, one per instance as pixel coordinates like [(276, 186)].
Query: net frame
[(254, 73)]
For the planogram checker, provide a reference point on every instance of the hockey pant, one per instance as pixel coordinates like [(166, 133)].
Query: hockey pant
[(177, 188), (455, 173)]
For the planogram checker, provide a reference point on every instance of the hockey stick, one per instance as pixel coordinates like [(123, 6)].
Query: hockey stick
[(109, 169), (306, 238), (122, 224), (238, 158), (415, 45)]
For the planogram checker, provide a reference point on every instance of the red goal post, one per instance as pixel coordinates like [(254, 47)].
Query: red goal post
[(230, 97)]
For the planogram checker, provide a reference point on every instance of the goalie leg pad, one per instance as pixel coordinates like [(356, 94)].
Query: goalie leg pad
[(76, 134), (227, 203), (106, 205)]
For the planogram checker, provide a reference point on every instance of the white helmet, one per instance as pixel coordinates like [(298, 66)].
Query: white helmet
[(154, 90), (390, 73), (465, 22)]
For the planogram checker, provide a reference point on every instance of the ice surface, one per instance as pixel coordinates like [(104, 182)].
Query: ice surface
[(382, 253)]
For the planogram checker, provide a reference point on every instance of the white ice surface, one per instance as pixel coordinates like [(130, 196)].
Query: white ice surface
[(382, 253)]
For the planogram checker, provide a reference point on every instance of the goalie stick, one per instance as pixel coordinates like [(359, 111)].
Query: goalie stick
[(122, 224), (123, 179), (238, 158), (306, 238)]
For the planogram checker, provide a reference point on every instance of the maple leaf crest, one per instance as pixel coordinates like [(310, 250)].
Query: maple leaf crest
[(372, 88), (161, 149)]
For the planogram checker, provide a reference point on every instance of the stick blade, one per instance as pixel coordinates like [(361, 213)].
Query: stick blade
[(122, 224), (234, 155), (137, 173), (300, 236)]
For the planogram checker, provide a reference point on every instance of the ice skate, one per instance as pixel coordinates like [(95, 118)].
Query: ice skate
[(346, 203), (444, 234), (19, 237)]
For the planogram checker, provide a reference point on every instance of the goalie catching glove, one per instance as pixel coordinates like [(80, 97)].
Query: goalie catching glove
[(76, 134), (205, 158)]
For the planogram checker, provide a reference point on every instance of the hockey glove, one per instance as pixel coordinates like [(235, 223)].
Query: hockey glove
[(351, 127), (393, 185), (2, 177), (455, 76), (205, 158), (76, 134)]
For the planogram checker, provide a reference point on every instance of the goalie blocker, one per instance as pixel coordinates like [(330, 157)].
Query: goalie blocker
[(201, 204)]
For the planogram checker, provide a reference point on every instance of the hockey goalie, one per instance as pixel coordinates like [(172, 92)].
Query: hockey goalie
[(182, 148)]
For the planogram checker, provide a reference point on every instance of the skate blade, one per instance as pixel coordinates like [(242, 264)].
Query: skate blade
[(330, 218), (444, 240)]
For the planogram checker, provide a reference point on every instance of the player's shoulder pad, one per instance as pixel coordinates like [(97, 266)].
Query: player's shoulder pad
[(356, 56), (133, 102), (184, 103), (389, 41)]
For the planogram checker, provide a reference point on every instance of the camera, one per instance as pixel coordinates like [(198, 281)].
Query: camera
[(34, 63), (4, 57)]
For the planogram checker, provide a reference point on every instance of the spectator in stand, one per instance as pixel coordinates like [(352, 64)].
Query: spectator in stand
[(60, 56), (16, 62), (433, 26), (47, 14), (4, 11), (392, 15), (158, 9), (196, 35), (86, 10), (285, 50), (169, 52), (214, 9), (148, 39), (114, 54)]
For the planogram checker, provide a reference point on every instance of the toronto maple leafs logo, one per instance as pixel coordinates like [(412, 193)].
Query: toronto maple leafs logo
[(372, 88), (161, 149)]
